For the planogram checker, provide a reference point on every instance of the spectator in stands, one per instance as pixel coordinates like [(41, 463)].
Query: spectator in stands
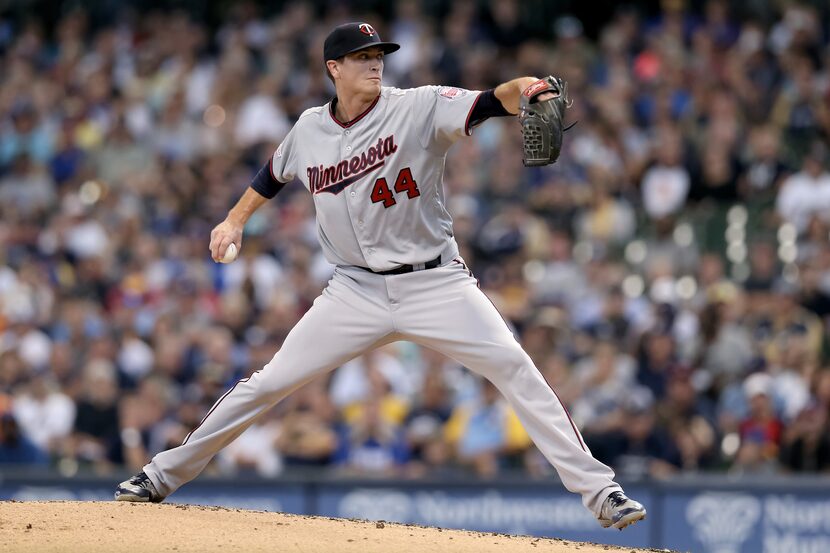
[(666, 184), (96, 438), (791, 321), (307, 436), (763, 266), (354, 381), (393, 407), (27, 186), (12, 370), (800, 111), (806, 442), (657, 356), (15, 448), (761, 431), (726, 345), (26, 135), (424, 426), (371, 444), (764, 168), (121, 157), (44, 414), (608, 219), (689, 418), (483, 430), (604, 379), (806, 194), (637, 447), (718, 177), (562, 279), (546, 333), (812, 295)]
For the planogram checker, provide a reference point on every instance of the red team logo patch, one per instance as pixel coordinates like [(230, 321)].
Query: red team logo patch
[(366, 29), (449, 92)]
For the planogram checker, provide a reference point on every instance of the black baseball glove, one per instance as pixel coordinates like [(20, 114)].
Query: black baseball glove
[(543, 120)]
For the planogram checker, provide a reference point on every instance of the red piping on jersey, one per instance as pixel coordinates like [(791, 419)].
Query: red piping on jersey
[(356, 119), (570, 420), (467, 130)]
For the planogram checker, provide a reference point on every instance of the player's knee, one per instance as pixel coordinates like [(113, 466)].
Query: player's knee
[(268, 382), (274, 382), (276, 388)]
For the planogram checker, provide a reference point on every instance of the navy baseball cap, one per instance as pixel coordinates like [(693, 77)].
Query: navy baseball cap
[(352, 37)]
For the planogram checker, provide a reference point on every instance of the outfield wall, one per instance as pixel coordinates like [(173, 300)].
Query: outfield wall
[(698, 514)]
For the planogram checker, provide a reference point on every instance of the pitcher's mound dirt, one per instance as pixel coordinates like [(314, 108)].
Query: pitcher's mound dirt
[(69, 526)]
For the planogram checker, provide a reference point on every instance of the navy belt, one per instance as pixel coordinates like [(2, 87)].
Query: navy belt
[(403, 269)]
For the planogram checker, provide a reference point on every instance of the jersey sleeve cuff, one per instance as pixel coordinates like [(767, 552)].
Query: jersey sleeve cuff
[(470, 122)]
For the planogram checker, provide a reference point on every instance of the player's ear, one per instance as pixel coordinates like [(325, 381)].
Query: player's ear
[(333, 69)]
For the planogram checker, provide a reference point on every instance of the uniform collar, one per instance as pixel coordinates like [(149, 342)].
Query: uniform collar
[(334, 118)]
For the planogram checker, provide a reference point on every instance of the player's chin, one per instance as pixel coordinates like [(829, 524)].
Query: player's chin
[(373, 85)]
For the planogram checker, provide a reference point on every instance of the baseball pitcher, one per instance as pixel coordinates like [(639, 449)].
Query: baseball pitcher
[(373, 161)]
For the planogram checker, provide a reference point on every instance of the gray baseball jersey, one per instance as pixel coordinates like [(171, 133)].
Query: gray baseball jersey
[(379, 206)]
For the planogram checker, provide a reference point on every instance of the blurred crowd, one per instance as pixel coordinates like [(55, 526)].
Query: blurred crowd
[(669, 275)]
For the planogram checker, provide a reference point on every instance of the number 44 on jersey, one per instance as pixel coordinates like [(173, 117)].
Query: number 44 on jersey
[(404, 183)]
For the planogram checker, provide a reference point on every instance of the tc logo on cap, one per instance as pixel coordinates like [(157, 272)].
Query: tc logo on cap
[(366, 29)]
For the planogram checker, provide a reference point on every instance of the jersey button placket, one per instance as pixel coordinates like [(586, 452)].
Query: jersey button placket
[(348, 148), (355, 208)]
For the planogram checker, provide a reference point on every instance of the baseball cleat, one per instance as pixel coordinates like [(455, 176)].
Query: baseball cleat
[(619, 511), (138, 488)]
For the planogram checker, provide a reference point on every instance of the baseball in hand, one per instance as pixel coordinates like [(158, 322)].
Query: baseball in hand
[(230, 253)]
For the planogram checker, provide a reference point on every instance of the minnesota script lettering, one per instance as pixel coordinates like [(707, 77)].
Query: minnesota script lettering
[(335, 178)]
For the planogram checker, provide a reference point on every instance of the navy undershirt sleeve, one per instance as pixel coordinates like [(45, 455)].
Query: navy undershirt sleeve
[(265, 183), (487, 106)]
